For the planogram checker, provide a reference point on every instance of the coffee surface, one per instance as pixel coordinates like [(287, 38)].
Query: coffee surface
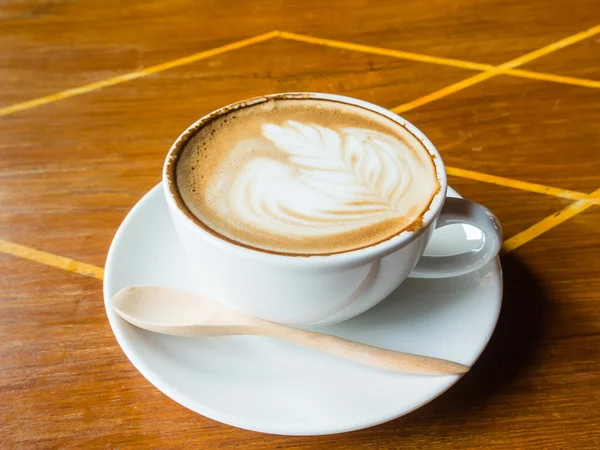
[(305, 176)]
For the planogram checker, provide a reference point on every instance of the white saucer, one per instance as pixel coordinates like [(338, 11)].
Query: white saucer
[(275, 387)]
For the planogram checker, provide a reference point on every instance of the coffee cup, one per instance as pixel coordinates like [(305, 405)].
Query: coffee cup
[(253, 244)]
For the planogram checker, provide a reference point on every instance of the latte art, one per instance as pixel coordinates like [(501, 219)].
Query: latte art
[(279, 181), (331, 181)]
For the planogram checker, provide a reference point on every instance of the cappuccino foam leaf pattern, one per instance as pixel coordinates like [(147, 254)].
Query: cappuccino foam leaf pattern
[(366, 163), (306, 177), (345, 178)]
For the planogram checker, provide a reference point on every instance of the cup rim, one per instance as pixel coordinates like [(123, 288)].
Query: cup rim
[(353, 256)]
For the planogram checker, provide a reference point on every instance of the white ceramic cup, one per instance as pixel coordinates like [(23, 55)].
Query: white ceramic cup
[(316, 290)]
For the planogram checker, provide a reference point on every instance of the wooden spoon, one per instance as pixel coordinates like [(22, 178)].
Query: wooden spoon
[(180, 313)]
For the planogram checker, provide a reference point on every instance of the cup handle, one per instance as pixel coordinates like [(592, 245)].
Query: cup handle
[(461, 211)]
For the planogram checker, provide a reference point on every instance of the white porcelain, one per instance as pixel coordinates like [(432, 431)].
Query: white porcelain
[(317, 290), (271, 386)]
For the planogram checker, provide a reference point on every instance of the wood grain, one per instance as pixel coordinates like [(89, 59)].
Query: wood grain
[(70, 171)]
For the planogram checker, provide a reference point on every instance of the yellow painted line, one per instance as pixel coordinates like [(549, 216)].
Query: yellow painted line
[(487, 68), (420, 57), (385, 51), (547, 224), (475, 79), (522, 185), (50, 259), (444, 92), (565, 42), (554, 78), (138, 74), (89, 270)]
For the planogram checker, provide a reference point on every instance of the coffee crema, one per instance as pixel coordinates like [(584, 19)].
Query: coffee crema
[(305, 177)]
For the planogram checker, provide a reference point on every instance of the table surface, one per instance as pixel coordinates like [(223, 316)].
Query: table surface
[(93, 94)]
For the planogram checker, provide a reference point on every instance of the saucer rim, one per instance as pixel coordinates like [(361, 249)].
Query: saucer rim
[(147, 372)]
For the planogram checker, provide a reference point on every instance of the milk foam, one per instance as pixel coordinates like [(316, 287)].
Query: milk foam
[(289, 179)]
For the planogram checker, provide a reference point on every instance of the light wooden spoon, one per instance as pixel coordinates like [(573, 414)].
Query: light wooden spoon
[(180, 313)]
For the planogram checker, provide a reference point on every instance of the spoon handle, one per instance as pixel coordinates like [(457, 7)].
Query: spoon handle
[(363, 353)]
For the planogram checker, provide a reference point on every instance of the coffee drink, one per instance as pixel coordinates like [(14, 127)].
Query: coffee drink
[(304, 176)]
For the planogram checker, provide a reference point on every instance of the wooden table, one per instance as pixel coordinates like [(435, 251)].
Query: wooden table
[(93, 93)]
